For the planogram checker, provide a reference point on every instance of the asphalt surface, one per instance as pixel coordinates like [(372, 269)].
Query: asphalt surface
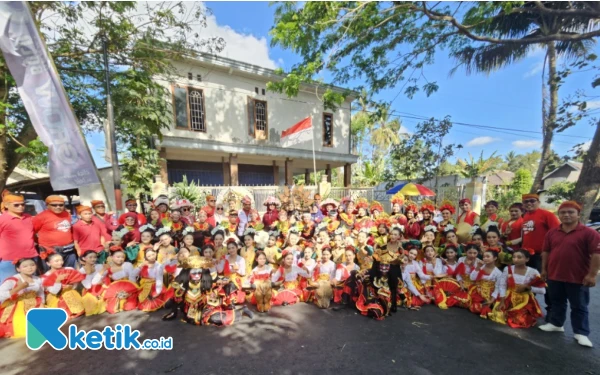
[(303, 339)]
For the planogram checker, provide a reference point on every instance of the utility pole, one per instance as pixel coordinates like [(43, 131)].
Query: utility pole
[(111, 131)]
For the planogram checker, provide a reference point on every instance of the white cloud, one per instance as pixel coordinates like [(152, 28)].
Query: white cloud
[(240, 46), (480, 141), (527, 143), (534, 69), (593, 104)]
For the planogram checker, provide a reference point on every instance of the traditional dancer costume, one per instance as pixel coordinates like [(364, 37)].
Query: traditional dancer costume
[(519, 309), (14, 307), (62, 294)]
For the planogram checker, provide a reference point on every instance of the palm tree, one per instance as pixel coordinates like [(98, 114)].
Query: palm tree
[(486, 58), (475, 168), (371, 173), (386, 133)]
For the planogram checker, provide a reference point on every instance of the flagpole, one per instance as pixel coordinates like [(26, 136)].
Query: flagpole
[(313, 146)]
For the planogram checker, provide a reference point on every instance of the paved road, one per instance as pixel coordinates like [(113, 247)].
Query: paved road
[(302, 339)]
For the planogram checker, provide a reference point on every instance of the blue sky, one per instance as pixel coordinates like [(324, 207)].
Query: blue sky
[(509, 98)]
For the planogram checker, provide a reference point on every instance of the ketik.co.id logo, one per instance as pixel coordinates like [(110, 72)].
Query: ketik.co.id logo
[(43, 326)]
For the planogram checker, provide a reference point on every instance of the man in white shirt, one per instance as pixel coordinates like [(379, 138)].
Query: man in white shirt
[(244, 216)]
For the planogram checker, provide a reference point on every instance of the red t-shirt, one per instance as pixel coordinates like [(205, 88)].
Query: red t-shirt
[(103, 226), (515, 229), (16, 237), (88, 235), (52, 229), (571, 253), (535, 226)]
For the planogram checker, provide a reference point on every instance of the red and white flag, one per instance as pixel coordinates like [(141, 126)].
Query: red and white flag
[(301, 132)]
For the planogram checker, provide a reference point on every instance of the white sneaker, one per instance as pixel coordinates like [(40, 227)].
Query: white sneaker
[(549, 327), (583, 341)]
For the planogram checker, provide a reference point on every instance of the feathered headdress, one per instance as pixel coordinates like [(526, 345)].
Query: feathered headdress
[(216, 229), (147, 228), (376, 206), (430, 228), (427, 205), (274, 233), (411, 206), (449, 228), (121, 232), (362, 203), (163, 230), (475, 229), (261, 240), (383, 219), (397, 198), (186, 231), (250, 231), (365, 230), (398, 226), (447, 205)]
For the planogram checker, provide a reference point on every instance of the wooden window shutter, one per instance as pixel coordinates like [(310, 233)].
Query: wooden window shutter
[(251, 119)]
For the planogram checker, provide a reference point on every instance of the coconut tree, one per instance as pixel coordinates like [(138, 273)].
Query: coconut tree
[(475, 168), (488, 57), (385, 132)]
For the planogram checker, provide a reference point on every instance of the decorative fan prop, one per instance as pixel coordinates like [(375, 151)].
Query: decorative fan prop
[(296, 197)]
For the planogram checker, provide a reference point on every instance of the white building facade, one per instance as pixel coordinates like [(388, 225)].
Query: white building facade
[(227, 127)]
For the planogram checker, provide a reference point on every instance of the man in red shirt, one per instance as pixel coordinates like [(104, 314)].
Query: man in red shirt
[(536, 223), (131, 205), (105, 218), (210, 209), (53, 229), (16, 235), (88, 234), (570, 264)]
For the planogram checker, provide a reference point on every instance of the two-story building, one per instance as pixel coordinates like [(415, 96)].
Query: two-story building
[(227, 127)]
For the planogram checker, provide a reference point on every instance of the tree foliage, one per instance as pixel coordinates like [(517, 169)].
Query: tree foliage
[(142, 40), (560, 191), (474, 168), (421, 155)]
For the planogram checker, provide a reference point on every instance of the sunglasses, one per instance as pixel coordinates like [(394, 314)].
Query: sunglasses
[(219, 208), (530, 201), (18, 204), (185, 209), (212, 200), (57, 205)]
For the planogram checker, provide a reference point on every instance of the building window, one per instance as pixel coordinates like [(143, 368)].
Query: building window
[(258, 122), (188, 103), (327, 130), (196, 110)]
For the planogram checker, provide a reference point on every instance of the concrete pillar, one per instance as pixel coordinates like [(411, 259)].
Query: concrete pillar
[(289, 174), (275, 173), (233, 170), (307, 177), (328, 172), (164, 173), (474, 191), (226, 174), (348, 175)]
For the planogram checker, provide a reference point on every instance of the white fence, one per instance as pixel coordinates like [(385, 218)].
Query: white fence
[(261, 193)]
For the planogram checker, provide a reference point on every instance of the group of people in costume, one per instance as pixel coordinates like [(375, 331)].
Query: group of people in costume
[(207, 268)]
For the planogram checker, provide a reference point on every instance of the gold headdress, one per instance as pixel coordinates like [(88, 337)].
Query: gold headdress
[(196, 261)]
